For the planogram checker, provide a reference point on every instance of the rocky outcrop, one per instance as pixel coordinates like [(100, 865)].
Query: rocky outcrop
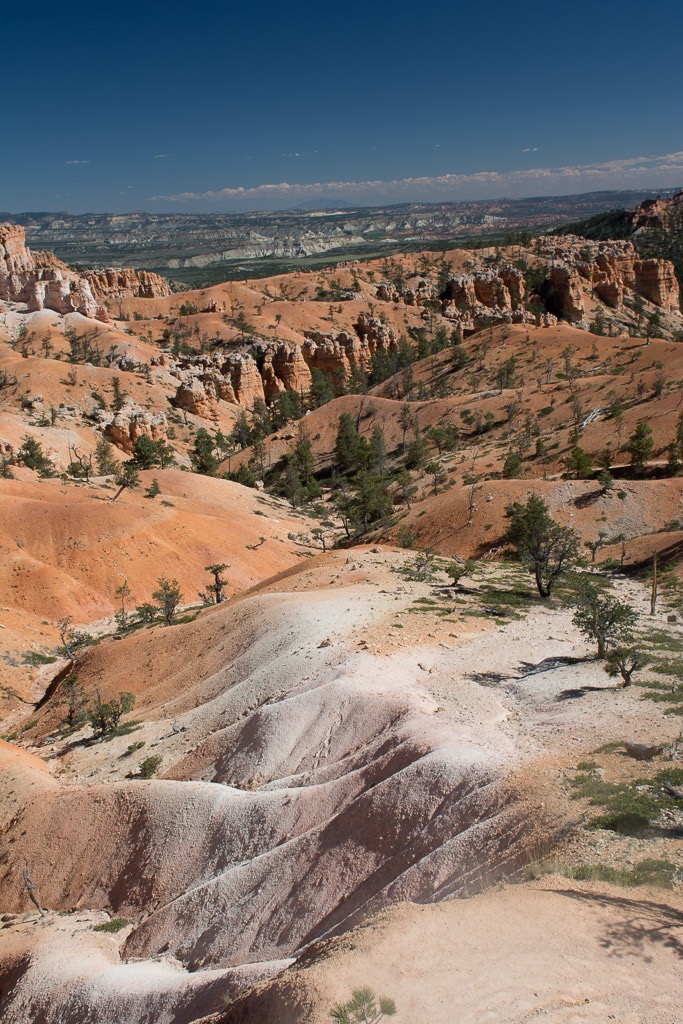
[(17, 266), (195, 397), (42, 281), (562, 293), (283, 367), (485, 296), (655, 280), (207, 379), (613, 271), (124, 427), (374, 334), (126, 283), (337, 355), (276, 366), (52, 290), (333, 355), (576, 270), (653, 214), (245, 379), (45, 260), (416, 292), (513, 280)]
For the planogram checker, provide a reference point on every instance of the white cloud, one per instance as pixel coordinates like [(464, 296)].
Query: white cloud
[(77, 161), (161, 156), (635, 172)]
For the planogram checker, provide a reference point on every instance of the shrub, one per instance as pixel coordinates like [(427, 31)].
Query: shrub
[(606, 620), (115, 925), (660, 873), (624, 661), (32, 455), (150, 766), (363, 1007), (405, 538), (104, 716)]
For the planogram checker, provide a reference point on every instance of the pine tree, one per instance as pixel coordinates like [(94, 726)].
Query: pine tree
[(202, 455), (104, 457), (579, 463), (546, 548), (640, 446), (127, 478), (168, 596), (346, 444), (217, 588), (144, 452), (603, 618), (378, 451)]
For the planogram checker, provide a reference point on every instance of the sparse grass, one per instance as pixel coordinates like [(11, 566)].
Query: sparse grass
[(631, 807), (35, 658), (667, 696), (667, 667), (516, 598), (121, 730), (658, 873), (190, 616), (512, 603), (609, 748), (115, 925), (664, 640)]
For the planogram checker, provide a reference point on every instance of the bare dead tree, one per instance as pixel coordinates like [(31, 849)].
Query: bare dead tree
[(29, 886), (471, 506), (66, 635), (82, 461)]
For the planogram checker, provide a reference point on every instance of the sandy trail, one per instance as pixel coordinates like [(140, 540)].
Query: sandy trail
[(553, 951)]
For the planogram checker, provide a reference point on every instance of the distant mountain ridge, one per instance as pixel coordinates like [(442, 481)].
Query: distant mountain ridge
[(198, 248)]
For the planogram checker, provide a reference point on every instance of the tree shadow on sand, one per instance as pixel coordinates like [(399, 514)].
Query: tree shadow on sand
[(530, 668), (581, 691), (641, 923), (488, 678)]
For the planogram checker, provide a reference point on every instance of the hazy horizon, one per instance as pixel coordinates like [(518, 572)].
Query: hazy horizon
[(342, 204)]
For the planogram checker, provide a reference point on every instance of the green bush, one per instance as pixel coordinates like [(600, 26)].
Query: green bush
[(150, 766), (104, 716), (115, 925), (659, 873)]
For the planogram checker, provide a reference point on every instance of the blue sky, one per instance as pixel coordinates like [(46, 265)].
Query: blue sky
[(214, 106)]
